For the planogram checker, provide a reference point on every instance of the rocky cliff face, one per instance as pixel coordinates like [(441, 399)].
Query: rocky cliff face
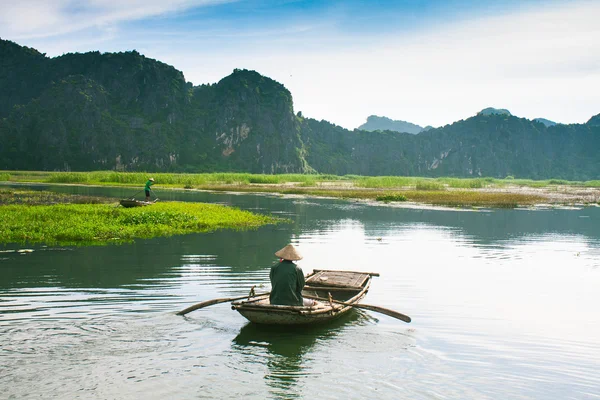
[(251, 119), (125, 111)]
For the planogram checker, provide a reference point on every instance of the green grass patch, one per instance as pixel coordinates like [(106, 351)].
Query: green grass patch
[(97, 224), (391, 197), (263, 179)]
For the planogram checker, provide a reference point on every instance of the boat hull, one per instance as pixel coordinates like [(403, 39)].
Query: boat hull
[(134, 203)]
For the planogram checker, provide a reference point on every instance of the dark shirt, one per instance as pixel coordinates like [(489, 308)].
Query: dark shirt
[(287, 281)]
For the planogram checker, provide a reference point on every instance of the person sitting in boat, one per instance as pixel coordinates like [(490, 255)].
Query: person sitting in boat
[(147, 188), (287, 279)]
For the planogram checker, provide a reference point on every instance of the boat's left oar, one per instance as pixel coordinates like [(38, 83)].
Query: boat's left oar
[(212, 302), (386, 311)]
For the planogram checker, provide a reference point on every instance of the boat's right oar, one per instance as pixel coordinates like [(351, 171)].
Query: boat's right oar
[(386, 311), (212, 302)]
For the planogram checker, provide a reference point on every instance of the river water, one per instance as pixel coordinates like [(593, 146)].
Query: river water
[(504, 306)]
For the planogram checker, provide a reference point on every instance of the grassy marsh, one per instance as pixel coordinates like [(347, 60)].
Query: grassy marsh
[(486, 192), (28, 219), (456, 198)]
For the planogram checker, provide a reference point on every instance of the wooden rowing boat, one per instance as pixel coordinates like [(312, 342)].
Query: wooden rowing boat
[(128, 203), (330, 286)]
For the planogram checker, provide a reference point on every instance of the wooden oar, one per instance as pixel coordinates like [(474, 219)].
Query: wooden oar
[(207, 303), (386, 311)]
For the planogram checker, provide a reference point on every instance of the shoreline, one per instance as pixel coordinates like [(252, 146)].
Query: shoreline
[(507, 196)]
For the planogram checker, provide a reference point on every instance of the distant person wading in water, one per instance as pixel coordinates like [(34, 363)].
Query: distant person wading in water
[(287, 279), (147, 188)]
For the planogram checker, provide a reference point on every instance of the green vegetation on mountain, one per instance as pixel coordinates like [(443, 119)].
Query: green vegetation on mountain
[(126, 112), (493, 145)]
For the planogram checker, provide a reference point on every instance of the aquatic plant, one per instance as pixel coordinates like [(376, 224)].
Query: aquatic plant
[(391, 197), (95, 224)]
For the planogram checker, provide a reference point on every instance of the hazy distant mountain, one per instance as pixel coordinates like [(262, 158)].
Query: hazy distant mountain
[(375, 123), (492, 111), (545, 121), (594, 121)]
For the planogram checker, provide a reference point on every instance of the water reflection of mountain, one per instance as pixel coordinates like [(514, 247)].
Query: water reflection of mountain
[(288, 351)]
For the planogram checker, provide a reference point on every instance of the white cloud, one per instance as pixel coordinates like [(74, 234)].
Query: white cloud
[(25, 19), (537, 63)]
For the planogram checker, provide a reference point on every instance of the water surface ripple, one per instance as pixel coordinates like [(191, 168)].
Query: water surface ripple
[(504, 305)]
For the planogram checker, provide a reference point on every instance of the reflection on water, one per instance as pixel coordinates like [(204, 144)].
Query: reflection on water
[(286, 351), (504, 305)]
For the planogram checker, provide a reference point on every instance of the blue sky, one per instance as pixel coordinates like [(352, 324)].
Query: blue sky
[(430, 62)]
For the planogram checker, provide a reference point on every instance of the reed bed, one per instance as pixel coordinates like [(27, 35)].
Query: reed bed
[(348, 186), (229, 178), (429, 184)]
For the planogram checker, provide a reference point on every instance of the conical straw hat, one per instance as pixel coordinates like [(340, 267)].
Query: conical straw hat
[(289, 252)]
